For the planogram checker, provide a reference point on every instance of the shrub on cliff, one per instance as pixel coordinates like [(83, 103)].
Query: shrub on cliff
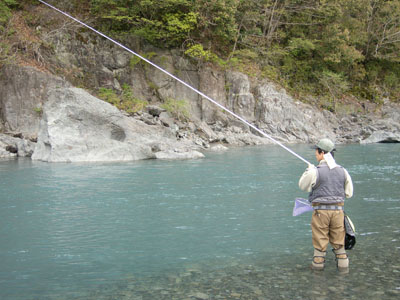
[(126, 101), (179, 109), (5, 15), (5, 11)]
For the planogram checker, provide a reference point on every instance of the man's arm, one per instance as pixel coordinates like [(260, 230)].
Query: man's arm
[(348, 185), (308, 179)]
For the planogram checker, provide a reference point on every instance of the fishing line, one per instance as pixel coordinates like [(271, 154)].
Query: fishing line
[(179, 80)]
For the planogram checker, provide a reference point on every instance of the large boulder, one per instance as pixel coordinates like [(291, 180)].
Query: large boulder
[(381, 136), (15, 147), (22, 93), (8, 147), (79, 127)]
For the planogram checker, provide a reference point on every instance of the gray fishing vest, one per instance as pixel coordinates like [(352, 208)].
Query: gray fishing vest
[(329, 188)]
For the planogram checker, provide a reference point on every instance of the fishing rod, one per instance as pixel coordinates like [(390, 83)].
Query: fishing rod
[(179, 80)]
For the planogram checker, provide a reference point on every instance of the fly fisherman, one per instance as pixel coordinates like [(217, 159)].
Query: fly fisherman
[(328, 184)]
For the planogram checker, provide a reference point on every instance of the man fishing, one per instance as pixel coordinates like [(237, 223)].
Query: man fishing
[(328, 184), (324, 183)]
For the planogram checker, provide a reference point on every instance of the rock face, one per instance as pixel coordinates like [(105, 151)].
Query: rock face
[(75, 126), (79, 127), (23, 91), (278, 114), (259, 102), (386, 129)]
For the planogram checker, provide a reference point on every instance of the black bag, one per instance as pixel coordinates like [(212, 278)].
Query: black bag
[(350, 238)]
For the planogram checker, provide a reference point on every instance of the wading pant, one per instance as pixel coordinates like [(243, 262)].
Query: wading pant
[(327, 227)]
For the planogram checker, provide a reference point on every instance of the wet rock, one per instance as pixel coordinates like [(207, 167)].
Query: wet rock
[(174, 154), (6, 154), (218, 148), (13, 147), (394, 292), (201, 296), (381, 136), (236, 295)]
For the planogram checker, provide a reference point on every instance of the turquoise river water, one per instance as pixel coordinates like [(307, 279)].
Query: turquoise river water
[(216, 228)]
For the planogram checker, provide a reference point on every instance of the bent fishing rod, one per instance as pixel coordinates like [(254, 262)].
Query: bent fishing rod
[(179, 80)]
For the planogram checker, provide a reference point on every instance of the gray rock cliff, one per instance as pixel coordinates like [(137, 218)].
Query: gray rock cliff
[(68, 124), (259, 102)]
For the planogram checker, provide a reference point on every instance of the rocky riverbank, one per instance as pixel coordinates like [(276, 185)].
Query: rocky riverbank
[(45, 117)]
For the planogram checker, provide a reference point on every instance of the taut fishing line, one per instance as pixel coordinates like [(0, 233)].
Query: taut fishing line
[(179, 80)]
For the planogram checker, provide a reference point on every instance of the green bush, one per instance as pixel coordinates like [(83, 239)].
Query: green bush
[(163, 23), (126, 101), (5, 11), (197, 52), (109, 96), (177, 108)]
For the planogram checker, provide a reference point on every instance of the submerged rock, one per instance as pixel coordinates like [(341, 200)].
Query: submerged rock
[(172, 155), (201, 296), (218, 148)]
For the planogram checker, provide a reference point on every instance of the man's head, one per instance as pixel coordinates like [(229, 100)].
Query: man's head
[(322, 147)]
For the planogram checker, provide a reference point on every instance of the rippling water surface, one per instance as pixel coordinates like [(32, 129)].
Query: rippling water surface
[(215, 228)]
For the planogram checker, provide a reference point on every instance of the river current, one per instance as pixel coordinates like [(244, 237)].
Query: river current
[(215, 228)]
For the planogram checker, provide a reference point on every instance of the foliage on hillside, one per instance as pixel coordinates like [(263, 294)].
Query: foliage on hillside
[(5, 15), (329, 48), (326, 48)]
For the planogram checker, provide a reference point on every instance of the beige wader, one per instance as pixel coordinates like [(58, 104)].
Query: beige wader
[(328, 227)]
